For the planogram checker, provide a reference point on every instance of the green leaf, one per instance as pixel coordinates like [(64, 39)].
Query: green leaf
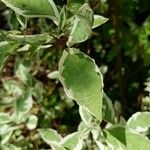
[(139, 121), (26, 39), (30, 8), (99, 20), (72, 141), (22, 107), (4, 118), (86, 12), (74, 5), (32, 122), (121, 137), (108, 111), (82, 81), (50, 136), (62, 18), (122, 121), (81, 26), (5, 49)]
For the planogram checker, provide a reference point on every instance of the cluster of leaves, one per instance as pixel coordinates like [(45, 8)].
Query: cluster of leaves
[(22, 96)]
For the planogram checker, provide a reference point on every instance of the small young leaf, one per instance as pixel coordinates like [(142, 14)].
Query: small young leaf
[(85, 116), (72, 141), (139, 121), (53, 75), (62, 19), (99, 20), (117, 108), (50, 136), (82, 24), (108, 111), (4, 118), (79, 26), (30, 8), (32, 122), (86, 12), (82, 81), (122, 121)]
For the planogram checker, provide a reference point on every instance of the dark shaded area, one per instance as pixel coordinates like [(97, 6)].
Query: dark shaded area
[(3, 22)]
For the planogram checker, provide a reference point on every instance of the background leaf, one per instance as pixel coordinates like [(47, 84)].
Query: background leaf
[(5, 133), (4, 118), (99, 20), (22, 106), (50, 136), (5, 49), (13, 88), (10, 147), (32, 122), (23, 74)]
